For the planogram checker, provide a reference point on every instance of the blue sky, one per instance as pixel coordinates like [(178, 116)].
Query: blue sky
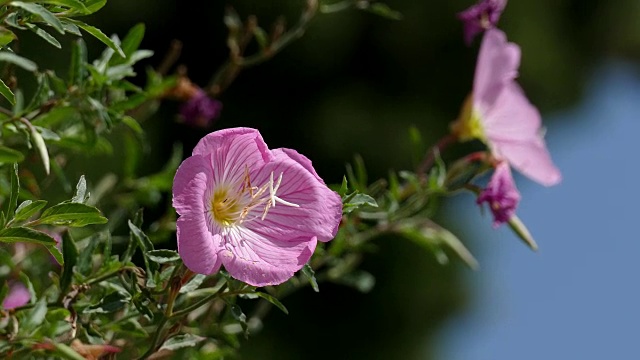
[(579, 296)]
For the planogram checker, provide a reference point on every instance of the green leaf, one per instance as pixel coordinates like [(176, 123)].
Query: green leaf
[(99, 35), (237, 314), (71, 4), (55, 252), (71, 28), (45, 14), (35, 316), (523, 233), (344, 187), (15, 190), (110, 303), (8, 155), (7, 93), (193, 284), (28, 208), (24, 278), (4, 290), (310, 274), (72, 214), (274, 301), (38, 142), (66, 352), (44, 35), (181, 341), (163, 256), (77, 69), (81, 195), (70, 252), (18, 60), (6, 36), (384, 10), (22, 234), (145, 245), (131, 41)]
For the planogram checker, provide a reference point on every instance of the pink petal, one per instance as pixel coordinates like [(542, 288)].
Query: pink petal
[(262, 261), (513, 127), (319, 212), (223, 138), (498, 62), (18, 296), (190, 184), (197, 246)]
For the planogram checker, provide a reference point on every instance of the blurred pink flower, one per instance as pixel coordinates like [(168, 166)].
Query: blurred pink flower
[(499, 114), (501, 195), (482, 16), (258, 212), (200, 110), (17, 296)]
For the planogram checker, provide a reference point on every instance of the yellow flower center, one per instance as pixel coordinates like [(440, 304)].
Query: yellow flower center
[(230, 205), (468, 126)]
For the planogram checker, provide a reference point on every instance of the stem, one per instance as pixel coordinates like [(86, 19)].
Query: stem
[(442, 144), (237, 62), (199, 303), (109, 275)]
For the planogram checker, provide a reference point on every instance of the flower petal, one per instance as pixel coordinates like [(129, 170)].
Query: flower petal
[(498, 62), (513, 127), (261, 261), (223, 138), (18, 296), (197, 246), (190, 184), (319, 209)]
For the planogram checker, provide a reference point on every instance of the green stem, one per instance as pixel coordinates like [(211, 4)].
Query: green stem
[(199, 303)]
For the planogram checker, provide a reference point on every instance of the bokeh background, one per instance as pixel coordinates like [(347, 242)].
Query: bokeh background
[(355, 83)]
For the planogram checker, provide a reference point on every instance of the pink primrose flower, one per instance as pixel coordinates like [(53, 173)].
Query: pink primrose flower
[(501, 195), (499, 114), (258, 212), (479, 17), (18, 296)]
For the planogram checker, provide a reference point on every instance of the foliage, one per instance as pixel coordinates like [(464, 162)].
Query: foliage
[(108, 284)]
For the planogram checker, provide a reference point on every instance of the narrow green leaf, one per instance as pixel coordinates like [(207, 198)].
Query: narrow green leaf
[(274, 301), (66, 352), (110, 303), (8, 155), (7, 93), (84, 264), (35, 316), (6, 36), (28, 208), (4, 290), (38, 142), (99, 35), (344, 187), (163, 256), (310, 274), (71, 4), (193, 284), (81, 195), (24, 278), (239, 315), (71, 28), (181, 341), (77, 69), (45, 14), (18, 60), (145, 245), (523, 233), (44, 35), (72, 214), (22, 234), (15, 190), (55, 252), (132, 40), (70, 252)]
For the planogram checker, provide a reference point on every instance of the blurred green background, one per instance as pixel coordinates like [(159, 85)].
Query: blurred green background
[(355, 83)]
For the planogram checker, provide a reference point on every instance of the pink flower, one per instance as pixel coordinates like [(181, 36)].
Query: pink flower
[(18, 296), (482, 16), (499, 114), (200, 110), (501, 195), (258, 212)]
